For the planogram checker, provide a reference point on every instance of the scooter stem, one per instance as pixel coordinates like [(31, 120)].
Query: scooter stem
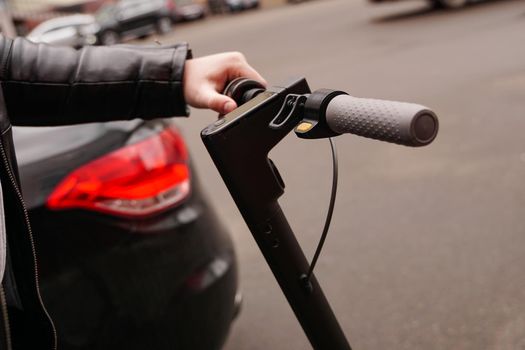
[(239, 145)]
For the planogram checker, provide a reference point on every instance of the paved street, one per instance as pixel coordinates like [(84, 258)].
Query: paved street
[(427, 248)]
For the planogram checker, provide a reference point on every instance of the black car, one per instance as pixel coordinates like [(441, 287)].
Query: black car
[(133, 18), (131, 254), (222, 6)]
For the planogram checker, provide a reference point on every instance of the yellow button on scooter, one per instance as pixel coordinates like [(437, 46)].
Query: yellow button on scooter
[(304, 127)]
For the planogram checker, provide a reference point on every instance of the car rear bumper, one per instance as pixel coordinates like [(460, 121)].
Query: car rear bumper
[(159, 283)]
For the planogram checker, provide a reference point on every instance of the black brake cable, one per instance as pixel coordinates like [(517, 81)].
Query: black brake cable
[(328, 215)]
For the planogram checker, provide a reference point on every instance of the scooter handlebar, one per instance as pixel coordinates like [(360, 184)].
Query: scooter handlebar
[(397, 122)]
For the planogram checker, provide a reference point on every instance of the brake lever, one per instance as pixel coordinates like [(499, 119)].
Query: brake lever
[(290, 112)]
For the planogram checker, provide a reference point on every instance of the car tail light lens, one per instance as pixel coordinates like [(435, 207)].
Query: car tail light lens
[(137, 180)]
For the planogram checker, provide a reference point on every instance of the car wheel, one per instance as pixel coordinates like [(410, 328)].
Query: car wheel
[(109, 38), (451, 4), (164, 25)]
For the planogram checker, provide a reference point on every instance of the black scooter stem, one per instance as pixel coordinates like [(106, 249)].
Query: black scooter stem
[(239, 145)]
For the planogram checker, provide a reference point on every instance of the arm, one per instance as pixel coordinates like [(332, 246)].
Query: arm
[(45, 85)]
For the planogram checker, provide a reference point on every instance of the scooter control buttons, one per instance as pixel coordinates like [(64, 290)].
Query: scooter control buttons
[(304, 127)]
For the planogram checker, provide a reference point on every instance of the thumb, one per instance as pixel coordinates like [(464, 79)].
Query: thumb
[(221, 103)]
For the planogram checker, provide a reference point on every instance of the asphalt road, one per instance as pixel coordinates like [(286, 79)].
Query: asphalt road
[(427, 249)]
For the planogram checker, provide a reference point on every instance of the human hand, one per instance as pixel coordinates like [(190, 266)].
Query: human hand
[(206, 77)]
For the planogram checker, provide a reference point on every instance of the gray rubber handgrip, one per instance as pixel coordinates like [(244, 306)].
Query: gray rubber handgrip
[(397, 122)]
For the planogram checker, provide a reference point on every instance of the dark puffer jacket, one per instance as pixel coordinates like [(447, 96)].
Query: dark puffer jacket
[(44, 85)]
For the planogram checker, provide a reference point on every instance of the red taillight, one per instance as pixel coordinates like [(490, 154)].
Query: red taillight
[(141, 179)]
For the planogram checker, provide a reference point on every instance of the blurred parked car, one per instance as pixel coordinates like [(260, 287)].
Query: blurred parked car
[(221, 6), (187, 10), (133, 18), (131, 254), (75, 31), (437, 3), (251, 4)]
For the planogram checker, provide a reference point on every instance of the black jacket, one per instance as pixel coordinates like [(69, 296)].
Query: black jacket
[(44, 85)]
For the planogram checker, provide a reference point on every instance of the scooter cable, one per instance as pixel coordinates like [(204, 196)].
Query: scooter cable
[(330, 211)]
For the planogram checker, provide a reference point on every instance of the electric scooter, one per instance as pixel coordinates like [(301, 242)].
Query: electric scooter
[(239, 143)]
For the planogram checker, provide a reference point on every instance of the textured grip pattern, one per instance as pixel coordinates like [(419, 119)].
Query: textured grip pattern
[(377, 119)]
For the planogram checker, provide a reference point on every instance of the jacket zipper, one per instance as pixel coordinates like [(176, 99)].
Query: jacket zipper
[(28, 226), (5, 317)]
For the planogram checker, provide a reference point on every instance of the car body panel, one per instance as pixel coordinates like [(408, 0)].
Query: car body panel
[(219, 6), (75, 31), (162, 282), (131, 18), (187, 10)]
